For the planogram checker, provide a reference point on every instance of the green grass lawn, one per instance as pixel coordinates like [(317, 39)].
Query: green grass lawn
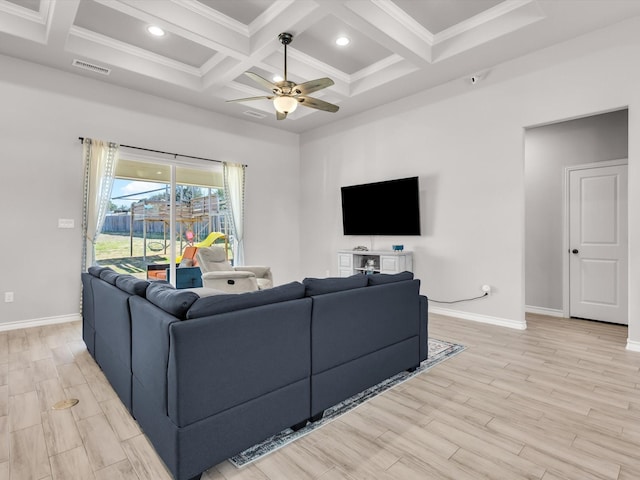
[(114, 251)]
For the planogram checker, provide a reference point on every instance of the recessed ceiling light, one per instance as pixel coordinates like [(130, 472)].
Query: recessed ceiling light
[(155, 31), (342, 41), (277, 78)]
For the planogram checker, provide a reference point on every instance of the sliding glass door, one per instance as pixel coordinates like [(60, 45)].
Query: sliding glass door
[(137, 233)]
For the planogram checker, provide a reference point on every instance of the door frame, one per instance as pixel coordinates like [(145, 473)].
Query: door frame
[(565, 225)]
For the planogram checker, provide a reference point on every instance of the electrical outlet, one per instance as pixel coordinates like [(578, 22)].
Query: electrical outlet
[(486, 289), (8, 297)]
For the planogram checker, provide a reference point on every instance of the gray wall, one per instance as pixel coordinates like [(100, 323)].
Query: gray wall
[(548, 150), (44, 111), (467, 146)]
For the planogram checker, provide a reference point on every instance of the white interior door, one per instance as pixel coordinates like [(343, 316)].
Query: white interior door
[(598, 243)]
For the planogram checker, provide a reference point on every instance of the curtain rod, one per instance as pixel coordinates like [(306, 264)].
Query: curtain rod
[(166, 153)]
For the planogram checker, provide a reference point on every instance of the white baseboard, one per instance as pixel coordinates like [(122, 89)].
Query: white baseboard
[(476, 317), (550, 312), (633, 345), (39, 322)]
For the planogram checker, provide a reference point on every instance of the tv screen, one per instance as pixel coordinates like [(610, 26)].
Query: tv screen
[(382, 208)]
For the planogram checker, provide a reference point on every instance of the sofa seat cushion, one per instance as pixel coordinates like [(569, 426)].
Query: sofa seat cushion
[(176, 302), (320, 286), (132, 285), (382, 278), (215, 304)]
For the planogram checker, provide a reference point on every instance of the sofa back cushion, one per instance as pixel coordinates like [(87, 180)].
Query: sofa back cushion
[(349, 325), (382, 278), (230, 302), (213, 259), (109, 276), (132, 285), (320, 286), (95, 270), (176, 302)]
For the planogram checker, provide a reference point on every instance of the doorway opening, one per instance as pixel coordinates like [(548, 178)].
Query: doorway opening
[(549, 151)]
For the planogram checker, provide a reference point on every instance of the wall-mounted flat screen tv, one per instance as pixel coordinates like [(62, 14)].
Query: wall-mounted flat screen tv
[(391, 207)]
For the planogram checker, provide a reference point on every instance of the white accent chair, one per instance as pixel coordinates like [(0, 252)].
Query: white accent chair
[(218, 273)]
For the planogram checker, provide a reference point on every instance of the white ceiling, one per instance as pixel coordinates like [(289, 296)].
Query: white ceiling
[(398, 47)]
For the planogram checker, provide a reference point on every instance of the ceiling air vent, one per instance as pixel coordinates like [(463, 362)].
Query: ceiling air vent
[(91, 67), (253, 114)]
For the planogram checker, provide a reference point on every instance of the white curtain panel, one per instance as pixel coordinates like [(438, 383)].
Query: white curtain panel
[(100, 160), (233, 174)]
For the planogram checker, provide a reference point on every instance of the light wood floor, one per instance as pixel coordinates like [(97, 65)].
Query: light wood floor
[(560, 400)]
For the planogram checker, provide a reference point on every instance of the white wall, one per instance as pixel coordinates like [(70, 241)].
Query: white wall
[(548, 150), (466, 143), (43, 113)]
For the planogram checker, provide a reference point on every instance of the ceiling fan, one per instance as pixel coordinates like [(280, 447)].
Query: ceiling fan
[(286, 94)]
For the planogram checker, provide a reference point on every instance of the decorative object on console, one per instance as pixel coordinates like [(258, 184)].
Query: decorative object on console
[(370, 267), (286, 94), (397, 248)]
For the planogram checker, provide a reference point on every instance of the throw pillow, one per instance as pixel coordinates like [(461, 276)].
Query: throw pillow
[(132, 285), (382, 278), (320, 286), (230, 302), (164, 296)]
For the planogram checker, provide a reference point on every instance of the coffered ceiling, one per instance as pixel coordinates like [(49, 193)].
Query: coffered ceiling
[(397, 48)]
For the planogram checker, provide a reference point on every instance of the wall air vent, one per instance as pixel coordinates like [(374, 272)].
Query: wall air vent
[(251, 113), (91, 67)]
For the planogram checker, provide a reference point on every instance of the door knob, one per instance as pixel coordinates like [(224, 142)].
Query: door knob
[(574, 251)]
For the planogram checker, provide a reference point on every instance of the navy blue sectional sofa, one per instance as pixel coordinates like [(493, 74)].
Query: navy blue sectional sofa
[(208, 374)]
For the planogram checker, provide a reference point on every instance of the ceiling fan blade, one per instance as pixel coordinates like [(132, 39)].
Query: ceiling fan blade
[(280, 115), (312, 86), (319, 104), (264, 82), (251, 98)]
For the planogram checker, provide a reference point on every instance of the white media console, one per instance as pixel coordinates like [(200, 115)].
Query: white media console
[(351, 262)]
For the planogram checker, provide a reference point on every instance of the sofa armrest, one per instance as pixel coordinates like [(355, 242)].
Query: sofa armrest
[(258, 271), (150, 348), (424, 327)]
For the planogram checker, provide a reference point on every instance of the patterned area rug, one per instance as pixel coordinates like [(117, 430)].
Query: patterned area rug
[(439, 350)]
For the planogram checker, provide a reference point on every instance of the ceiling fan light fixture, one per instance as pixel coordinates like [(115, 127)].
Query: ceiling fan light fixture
[(278, 78), (287, 94), (155, 30), (343, 41), (285, 104)]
